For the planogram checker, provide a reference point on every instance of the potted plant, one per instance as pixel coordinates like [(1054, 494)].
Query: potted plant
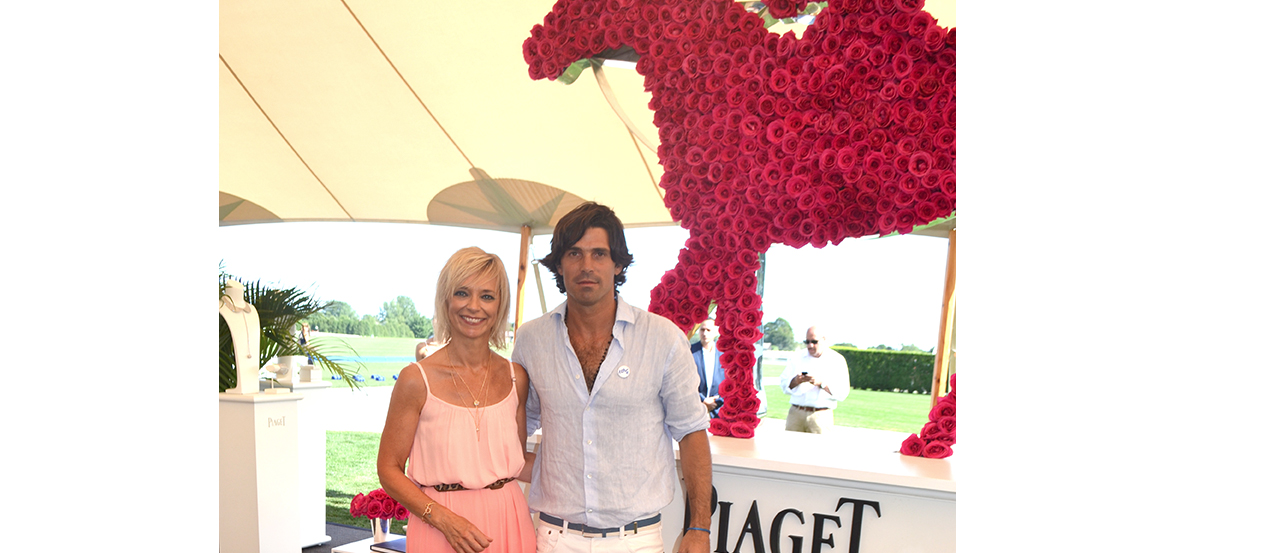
[(280, 310)]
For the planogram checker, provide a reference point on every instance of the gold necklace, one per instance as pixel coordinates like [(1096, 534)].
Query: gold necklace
[(229, 303), (474, 413)]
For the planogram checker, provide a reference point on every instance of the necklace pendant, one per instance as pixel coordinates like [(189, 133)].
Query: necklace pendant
[(476, 402)]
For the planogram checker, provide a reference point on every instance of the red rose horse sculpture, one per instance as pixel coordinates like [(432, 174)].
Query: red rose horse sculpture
[(848, 131)]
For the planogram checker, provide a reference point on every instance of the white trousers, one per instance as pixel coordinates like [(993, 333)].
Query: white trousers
[(551, 539)]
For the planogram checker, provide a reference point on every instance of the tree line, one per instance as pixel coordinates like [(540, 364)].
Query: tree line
[(398, 318), (779, 333)]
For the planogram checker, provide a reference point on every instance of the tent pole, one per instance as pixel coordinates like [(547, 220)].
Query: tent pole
[(943, 352), (525, 233)]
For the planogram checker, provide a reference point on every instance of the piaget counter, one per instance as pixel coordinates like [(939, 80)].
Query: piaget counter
[(851, 491), (846, 492)]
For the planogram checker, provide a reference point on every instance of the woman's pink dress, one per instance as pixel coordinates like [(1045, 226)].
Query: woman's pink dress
[(446, 451)]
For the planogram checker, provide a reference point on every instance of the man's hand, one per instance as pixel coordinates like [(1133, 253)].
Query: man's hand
[(711, 403), (695, 541), (799, 379)]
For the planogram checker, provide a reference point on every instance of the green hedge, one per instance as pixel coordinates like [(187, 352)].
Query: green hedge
[(889, 370)]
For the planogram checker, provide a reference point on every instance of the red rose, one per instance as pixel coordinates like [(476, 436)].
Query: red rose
[(943, 409), (747, 418), (945, 138), (910, 6), (936, 450), (885, 205), (920, 163), (740, 430), (921, 21), (374, 508), (876, 139), (926, 211), (887, 222), (912, 446), (877, 56), (946, 424), (931, 430), (719, 427), (934, 37), (927, 86), (357, 506)]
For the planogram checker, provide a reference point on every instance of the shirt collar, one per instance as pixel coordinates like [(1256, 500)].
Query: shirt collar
[(625, 313)]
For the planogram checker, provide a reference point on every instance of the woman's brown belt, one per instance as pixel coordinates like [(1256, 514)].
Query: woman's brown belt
[(457, 487)]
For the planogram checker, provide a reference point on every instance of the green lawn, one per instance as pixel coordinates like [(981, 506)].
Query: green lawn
[(350, 470), (374, 347), (861, 409)]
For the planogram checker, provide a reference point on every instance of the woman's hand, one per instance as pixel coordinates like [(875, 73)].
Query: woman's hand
[(461, 534)]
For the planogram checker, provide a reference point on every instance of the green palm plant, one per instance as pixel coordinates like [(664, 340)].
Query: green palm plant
[(280, 311)]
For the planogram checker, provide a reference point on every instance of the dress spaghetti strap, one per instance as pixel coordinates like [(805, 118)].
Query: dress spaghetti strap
[(424, 373)]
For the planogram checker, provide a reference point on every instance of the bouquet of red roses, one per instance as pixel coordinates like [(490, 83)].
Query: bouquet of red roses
[(377, 504), (938, 435)]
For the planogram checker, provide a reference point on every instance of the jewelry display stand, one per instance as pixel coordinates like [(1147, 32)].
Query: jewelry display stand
[(311, 467), (259, 446), (259, 487)]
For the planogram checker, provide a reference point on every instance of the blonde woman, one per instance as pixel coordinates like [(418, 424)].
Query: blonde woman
[(458, 417)]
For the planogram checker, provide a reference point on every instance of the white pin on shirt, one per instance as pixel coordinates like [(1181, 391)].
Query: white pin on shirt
[(623, 371)]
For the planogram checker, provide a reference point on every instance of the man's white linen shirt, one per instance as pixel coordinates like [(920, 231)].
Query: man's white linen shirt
[(606, 457), (830, 368)]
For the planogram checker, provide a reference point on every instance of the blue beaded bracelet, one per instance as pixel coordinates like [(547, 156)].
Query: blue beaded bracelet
[(706, 530)]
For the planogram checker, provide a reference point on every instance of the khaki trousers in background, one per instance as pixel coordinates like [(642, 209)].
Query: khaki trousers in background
[(800, 420)]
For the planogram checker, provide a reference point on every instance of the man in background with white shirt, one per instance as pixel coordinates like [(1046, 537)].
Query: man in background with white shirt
[(816, 381)]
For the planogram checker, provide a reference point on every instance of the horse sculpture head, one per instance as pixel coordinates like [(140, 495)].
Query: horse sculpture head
[(846, 131)]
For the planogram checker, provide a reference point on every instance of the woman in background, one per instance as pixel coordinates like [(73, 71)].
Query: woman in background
[(458, 416)]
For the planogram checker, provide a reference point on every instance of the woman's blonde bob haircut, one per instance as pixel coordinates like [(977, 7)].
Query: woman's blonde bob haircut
[(463, 265)]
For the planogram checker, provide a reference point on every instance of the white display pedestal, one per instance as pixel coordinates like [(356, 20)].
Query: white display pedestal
[(361, 546), (258, 482), (311, 468)]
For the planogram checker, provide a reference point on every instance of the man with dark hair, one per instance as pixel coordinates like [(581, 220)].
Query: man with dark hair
[(574, 225), (610, 386), (709, 367)]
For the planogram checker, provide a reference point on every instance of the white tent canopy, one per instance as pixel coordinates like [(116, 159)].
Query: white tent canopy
[(370, 111), (375, 111)]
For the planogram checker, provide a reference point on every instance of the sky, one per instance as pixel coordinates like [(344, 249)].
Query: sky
[(866, 292)]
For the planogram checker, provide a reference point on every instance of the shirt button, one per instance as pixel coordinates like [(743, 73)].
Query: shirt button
[(588, 476), (590, 510), (588, 442)]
